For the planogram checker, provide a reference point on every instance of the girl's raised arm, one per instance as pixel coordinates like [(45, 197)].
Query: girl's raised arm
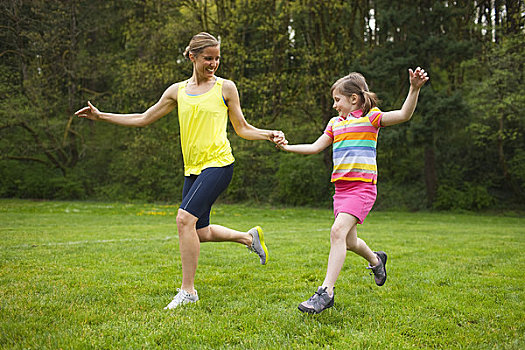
[(417, 79)]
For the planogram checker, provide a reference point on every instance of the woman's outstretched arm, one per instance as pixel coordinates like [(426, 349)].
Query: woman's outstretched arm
[(166, 104)]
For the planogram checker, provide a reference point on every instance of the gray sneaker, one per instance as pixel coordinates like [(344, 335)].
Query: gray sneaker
[(317, 302), (182, 298), (258, 245), (380, 269)]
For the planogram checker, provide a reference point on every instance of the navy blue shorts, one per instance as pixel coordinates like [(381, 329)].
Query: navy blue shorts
[(200, 192)]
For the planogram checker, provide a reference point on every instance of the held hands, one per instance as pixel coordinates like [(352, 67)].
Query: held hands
[(90, 112), (418, 77), (283, 147), (277, 137), (281, 142)]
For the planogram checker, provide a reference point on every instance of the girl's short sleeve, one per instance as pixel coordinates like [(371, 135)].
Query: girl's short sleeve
[(375, 116), (329, 128)]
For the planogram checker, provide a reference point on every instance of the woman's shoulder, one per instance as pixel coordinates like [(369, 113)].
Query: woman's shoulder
[(176, 86), (172, 91), (228, 87), (227, 83)]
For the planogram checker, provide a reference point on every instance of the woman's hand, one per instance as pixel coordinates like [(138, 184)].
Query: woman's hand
[(90, 112), (277, 137)]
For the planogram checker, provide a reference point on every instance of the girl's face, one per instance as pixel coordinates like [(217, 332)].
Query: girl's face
[(207, 62), (344, 104)]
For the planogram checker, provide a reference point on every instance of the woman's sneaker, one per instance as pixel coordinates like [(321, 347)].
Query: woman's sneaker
[(317, 302), (380, 269), (258, 245), (182, 298)]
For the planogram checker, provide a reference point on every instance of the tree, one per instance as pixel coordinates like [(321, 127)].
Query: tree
[(41, 79), (498, 101)]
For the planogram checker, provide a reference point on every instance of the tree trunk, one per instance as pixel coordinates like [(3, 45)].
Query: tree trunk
[(430, 174)]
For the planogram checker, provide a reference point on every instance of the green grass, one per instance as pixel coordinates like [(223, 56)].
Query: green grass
[(79, 275)]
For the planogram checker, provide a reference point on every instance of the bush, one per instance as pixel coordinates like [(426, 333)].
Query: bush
[(517, 169), (148, 168), (469, 197), (34, 180), (303, 180), (254, 172), (392, 195)]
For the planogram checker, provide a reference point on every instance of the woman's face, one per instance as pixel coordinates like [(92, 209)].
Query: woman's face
[(342, 104), (207, 61)]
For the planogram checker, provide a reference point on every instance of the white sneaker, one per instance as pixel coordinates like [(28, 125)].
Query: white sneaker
[(182, 298)]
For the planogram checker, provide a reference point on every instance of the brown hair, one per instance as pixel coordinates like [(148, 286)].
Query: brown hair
[(199, 42), (355, 83)]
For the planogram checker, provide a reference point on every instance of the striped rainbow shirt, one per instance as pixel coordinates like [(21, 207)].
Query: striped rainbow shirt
[(354, 145)]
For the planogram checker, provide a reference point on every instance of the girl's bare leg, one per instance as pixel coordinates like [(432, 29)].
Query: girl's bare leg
[(341, 228), (358, 246)]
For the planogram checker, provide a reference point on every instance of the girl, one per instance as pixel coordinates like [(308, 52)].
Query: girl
[(204, 103), (354, 136)]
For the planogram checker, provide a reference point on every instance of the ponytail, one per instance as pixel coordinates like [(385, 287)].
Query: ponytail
[(369, 101)]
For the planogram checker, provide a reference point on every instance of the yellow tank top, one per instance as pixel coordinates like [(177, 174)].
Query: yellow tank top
[(203, 119)]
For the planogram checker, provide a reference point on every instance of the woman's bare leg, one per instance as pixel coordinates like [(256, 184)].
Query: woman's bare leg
[(189, 247), (217, 233)]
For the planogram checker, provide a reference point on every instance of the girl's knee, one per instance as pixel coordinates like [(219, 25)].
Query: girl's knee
[(337, 233)]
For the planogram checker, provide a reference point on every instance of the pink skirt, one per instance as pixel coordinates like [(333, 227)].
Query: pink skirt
[(355, 198)]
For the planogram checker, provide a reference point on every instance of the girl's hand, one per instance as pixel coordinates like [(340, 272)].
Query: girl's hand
[(90, 112), (418, 77), (278, 138), (284, 147)]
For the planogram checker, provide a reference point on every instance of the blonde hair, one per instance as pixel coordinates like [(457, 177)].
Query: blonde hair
[(355, 83), (199, 42)]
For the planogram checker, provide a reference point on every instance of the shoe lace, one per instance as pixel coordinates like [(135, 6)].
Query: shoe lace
[(373, 268), (252, 249), (179, 295), (182, 294), (317, 294)]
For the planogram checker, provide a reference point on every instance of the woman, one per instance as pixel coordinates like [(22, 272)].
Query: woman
[(204, 103)]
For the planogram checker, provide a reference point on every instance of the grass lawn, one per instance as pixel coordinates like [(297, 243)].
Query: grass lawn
[(77, 275)]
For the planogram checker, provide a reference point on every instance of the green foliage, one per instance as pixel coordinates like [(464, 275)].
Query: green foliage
[(409, 195), (303, 180), (517, 168), (466, 196), (151, 161), (498, 101), (283, 57), (29, 180), (254, 169)]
